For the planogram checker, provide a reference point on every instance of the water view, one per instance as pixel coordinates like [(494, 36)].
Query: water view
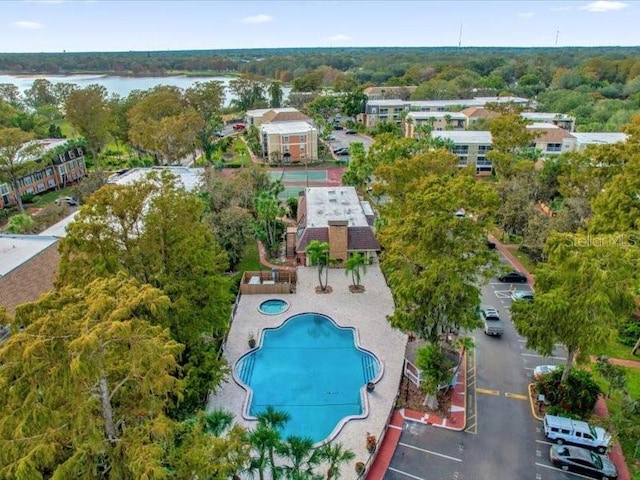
[(123, 85)]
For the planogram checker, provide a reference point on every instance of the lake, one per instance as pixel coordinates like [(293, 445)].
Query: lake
[(123, 85)]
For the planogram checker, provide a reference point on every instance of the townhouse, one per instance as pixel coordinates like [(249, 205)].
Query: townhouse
[(58, 164), (289, 142)]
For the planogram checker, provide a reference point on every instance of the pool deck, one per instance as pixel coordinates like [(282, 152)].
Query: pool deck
[(365, 311)]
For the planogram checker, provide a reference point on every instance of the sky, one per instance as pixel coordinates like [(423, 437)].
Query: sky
[(143, 25)]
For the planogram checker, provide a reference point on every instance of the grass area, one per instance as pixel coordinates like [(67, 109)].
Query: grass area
[(49, 197), (522, 257), (619, 351), (250, 260)]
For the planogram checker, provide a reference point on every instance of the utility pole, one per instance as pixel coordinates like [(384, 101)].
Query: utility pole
[(557, 35), (460, 37)]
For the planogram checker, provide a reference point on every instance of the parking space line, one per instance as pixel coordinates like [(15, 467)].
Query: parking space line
[(550, 467), (404, 473), (542, 356), (516, 396), (441, 455), (544, 442), (488, 391)]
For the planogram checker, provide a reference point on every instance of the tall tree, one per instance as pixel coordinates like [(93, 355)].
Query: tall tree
[(335, 455), (275, 95), (91, 401), (353, 103), (40, 93), (155, 231), (434, 260), (88, 111), (318, 253), (248, 92), (582, 291), (16, 158)]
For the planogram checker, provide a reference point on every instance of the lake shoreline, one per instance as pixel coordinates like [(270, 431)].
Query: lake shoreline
[(119, 74)]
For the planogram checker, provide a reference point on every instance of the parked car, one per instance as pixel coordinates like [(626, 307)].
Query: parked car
[(563, 430), (542, 370), (338, 127), (341, 151), (331, 138), (522, 295), (350, 132), (239, 126), (67, 201), (513, 277), (219, 134), (582, 461), (491, 321)]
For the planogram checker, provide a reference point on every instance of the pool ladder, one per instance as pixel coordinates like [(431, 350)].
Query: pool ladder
[(246, 372), (368, 368)]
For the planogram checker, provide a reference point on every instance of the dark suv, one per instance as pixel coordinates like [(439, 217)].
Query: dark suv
[(513, 277)]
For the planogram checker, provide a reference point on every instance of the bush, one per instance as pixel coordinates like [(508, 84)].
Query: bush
[(629, 332), (575, 398), (21, 223), (29, 198)]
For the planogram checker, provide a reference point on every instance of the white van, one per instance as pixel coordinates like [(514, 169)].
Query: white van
[(565, 430)]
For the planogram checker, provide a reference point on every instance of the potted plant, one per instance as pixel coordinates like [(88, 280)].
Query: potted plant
[(252, 340), (359, 468), (370, 386), (371, 443)]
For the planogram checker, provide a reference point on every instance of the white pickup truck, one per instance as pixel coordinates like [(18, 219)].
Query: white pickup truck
[(491, 321)]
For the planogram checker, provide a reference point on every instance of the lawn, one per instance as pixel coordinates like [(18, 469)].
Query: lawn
[(251, 260), (522, 257), (619, 351)]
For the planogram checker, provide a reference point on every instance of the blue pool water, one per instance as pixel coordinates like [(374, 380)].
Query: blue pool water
[(273, 306), (310, 368)]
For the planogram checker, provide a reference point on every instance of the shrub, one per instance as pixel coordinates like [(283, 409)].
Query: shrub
[(21, 223), (575, 398), (29, 198), (630, 331)]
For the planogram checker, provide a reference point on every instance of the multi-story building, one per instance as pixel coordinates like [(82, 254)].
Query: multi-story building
[(391, 110), (551, 140), (471, 148), (335, 215), (583, 140), (381, 93), (48, 172), (435, 120), (289, 142)]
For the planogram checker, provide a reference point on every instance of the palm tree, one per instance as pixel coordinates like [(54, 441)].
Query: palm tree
[(319, 255), (217, 421), (357, 266), (270, 423), (263, 440), (335, 455), (303, 457)]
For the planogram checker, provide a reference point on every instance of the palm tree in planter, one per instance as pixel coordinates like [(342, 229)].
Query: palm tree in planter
[(302, 455), (335, 455), (319, 255), (357, 266)]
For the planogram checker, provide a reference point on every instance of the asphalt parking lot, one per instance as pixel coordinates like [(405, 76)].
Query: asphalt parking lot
[(502, 438)]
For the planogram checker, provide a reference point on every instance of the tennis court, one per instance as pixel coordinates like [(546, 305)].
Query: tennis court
[(299, 175)]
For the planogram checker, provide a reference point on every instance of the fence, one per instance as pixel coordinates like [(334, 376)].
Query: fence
[(270, 282)]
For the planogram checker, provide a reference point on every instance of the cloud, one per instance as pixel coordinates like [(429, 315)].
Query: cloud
[(604, 6), (27, 25), (560, 9), (340, 37), (526, 14), (262, 18)]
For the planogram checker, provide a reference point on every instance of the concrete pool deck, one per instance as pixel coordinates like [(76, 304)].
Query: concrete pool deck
[(365, 311)]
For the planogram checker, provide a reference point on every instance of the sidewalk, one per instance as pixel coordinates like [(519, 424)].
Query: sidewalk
[(456, 420)]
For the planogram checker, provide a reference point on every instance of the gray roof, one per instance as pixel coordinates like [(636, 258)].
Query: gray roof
[(189, 178), (599, 138), (464, 136), (60, 229), (16, 250), (334, 203), (545, 116), (286, 127), (44, 145)]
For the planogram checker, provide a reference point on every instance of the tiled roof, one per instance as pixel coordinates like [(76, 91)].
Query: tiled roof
[(478, 112), (377, 90), (551, 135), (289, 116), (320, 233), (361, 238)]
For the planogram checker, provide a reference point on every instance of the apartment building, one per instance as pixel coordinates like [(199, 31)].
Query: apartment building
[(289, 142), (391, 110), (435, 120), (335, 215), (257, 117), (471, 148), (551, 140), (48, 172)]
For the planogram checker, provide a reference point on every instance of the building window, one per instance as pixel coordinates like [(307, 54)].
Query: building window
[(303, 148), (463, 161), (303, 138), (461, 149), (40, 187), (482, 149), (554, 147), (51, 183), (374, 109), (285, 139), (285, 149)]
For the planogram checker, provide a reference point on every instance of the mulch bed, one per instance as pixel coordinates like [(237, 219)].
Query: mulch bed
[(412, 398)]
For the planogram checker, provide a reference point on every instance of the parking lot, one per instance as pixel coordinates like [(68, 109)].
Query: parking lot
[(502, 438)]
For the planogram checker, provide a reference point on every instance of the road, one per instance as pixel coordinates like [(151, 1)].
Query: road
[(502, 439)]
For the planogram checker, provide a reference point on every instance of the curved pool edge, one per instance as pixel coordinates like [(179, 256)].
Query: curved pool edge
[(262, 312), (363, 390)]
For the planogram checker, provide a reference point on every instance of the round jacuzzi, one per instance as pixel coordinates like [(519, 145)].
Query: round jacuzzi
[(274, 306)]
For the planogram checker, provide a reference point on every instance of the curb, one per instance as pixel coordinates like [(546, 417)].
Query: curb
[(534, 412)]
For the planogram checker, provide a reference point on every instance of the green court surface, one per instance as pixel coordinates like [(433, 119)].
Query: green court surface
[(291, 191), (299, 175)]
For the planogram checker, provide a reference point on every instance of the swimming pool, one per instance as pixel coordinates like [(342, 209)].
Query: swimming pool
[(312, 369), (273, 306)]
